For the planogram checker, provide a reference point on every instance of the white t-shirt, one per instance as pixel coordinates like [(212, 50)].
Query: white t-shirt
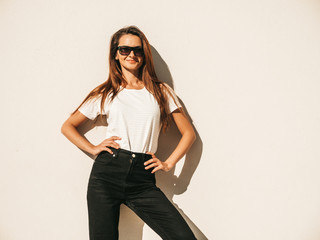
[(133, 115)]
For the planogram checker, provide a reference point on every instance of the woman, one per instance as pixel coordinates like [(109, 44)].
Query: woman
[(137, 105)]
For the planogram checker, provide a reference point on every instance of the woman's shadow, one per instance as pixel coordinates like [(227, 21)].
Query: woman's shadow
[(130, 225)]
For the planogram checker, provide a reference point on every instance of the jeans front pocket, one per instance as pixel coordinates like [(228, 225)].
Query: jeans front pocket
[(104, 157)]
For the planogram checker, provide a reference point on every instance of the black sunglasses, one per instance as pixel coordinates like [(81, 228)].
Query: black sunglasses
[(125, 50)]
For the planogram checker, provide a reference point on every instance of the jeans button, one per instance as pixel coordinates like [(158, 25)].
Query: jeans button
[(113, 155), (133, 155)]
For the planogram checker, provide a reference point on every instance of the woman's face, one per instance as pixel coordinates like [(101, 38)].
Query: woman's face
[(130, 62)]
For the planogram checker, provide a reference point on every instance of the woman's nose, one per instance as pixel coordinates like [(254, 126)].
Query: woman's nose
[(131, 54)]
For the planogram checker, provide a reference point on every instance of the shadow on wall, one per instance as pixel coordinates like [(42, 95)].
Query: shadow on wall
[(130, 225)]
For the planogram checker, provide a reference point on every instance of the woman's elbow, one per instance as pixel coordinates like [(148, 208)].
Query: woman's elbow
[(63, 128), (194, 136)]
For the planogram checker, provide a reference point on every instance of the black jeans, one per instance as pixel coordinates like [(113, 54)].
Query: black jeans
[(121, 178)]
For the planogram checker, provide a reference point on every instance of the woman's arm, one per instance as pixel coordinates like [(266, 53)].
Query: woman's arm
[(69, 129), (187, 139)]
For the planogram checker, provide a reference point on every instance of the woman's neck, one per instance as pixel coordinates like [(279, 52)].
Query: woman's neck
[(132, 79)]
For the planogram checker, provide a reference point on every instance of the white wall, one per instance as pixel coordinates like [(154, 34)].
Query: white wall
[(247, 73)]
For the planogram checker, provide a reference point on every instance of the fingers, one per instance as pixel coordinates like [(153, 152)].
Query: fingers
[(115, 138), (154, 163), (111, 142), (112, 139), (103, 146), (153, 159), (156, 169), (108, 150), (157, 166), (151, 165), (149, 161), (151, 153)]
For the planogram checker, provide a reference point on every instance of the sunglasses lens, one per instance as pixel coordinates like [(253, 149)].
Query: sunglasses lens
[(138, 51), (124, 50)]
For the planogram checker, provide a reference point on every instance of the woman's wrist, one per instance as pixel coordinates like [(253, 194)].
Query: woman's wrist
[(92, 149), (168, 165)]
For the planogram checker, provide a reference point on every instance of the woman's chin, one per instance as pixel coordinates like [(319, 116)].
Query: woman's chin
[(131, 67)]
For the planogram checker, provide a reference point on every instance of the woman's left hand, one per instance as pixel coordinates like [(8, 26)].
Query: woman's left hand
[(156, 164)]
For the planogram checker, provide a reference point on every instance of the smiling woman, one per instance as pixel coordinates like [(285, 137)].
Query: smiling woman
[(137, 105), (130, 54)]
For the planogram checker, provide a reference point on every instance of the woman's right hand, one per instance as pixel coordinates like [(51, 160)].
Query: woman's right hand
[(103, 146)]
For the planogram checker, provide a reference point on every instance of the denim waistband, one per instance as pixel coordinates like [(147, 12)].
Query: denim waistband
[(130, 153)]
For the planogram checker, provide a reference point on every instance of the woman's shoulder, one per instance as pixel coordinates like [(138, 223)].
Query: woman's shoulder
[(94, 98), (166, 87), (98, 98)]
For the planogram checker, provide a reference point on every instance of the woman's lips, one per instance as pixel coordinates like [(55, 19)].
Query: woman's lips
[(131, 61)]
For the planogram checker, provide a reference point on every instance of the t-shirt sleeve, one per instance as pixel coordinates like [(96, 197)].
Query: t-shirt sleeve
[(172, 105), (91, 108)]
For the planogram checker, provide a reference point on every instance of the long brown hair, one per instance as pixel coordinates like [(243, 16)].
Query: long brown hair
[(147, 73)]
